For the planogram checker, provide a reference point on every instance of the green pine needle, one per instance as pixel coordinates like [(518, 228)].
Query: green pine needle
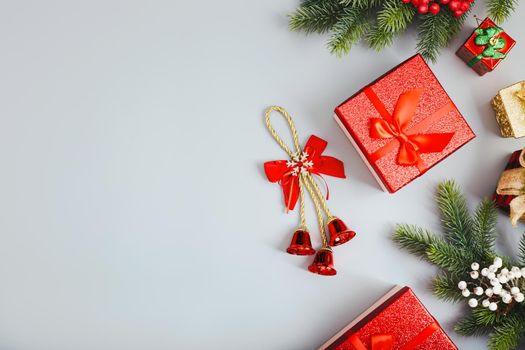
[(393, 18), (360, 3), (316, 16), (433, 34), (500, 10), (449, 258), (484, 317), (414, 239), (484, 229), (508, 334), (469, 327), (347, 31), (445, 288), (455, 217)]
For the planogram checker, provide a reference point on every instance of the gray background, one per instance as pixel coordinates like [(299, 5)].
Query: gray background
[(134, 212)]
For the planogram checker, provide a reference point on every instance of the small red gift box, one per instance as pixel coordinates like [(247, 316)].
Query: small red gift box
[(486, 47), (397, 321), (403, 124)]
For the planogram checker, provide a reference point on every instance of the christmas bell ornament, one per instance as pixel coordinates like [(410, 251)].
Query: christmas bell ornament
[(323, 263), (339, 233), (301, 243), (297, 174)]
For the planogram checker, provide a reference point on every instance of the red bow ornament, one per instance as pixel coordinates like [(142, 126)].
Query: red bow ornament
[(411, 143), (295, 175), (310, 160), (386, 341)]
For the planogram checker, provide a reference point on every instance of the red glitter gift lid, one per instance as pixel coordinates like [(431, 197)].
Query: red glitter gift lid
[(398, 314), (355, 116)]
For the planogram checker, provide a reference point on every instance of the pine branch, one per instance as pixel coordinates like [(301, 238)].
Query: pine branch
[(455, 217), (434, 33), (486, 318), (468, 327), (500, 10), (449, 258), (360, 3), (484, 230), (507, 335), (445, 287), (393, 18), (348, 30), (414, 239), (316, 16)]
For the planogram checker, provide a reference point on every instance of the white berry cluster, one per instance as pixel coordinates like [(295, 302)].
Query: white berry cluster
[(491, 288)]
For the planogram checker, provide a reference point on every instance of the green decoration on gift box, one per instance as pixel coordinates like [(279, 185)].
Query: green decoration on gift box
[(488, 37)]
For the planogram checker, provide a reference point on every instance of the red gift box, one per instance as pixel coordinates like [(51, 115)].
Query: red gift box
[(403, 124), (473, 53), (397, 321)]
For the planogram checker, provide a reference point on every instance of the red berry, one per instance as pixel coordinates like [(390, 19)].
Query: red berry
[(458, 13), (415, 3), (464, 6), (423, 9), (405, 1), (444, 2), (454, 5), (424, 2), (434, 9)]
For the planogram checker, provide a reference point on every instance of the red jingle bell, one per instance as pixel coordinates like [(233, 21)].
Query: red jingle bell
[(339, 233), (301, 243), (323, 263)]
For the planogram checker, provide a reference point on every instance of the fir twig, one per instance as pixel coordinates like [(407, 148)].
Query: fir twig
[(316, 16), (393, 18), (484, 230), (507, 335), (347, 31), (455, 217), (360, 3), (433, 35), (468, 327), (414, 239), (445, 288), (449, 257), (500, 10)]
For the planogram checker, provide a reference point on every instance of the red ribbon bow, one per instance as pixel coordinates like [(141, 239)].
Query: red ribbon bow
[(287, 172), (386, 341), (397, 125)]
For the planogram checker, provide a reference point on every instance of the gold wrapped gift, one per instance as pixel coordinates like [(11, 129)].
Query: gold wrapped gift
[(509, 105)]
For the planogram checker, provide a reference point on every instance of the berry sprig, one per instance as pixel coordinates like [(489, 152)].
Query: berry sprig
[(494, 288), (458, 7)]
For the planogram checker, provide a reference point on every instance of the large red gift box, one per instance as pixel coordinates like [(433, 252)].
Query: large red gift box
[(403, 124), (397, 321), (486, 47)]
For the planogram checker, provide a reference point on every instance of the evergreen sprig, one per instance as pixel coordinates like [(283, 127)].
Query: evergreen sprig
[(379, 22), (500, 10), (466, 239)]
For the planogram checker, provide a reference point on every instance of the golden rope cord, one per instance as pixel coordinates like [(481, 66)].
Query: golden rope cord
[(277, 138), (305, 179)]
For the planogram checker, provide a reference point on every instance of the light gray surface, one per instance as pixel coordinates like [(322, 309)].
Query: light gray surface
[(134, 213)]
